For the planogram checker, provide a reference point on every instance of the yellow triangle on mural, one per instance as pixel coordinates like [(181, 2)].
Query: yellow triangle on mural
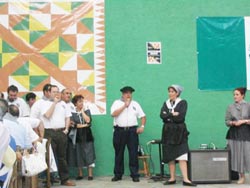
[(64, 57), (88, 46), (23, 80), (24, 35), (52, 47), (7, 58), (36, 25), (34, 70), (89, 14), (90, 81), (64, 5)]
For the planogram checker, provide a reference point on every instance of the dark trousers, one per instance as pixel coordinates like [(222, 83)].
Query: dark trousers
[(59, 147), (121, 138)]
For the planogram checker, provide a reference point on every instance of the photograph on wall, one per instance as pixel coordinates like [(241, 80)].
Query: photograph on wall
[(153, 52)]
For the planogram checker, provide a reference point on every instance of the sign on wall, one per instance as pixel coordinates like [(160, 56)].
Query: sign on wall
[(58, 42), (153, 52)]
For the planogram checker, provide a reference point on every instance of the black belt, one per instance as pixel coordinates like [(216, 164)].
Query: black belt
[(125, 128), (58, 129)]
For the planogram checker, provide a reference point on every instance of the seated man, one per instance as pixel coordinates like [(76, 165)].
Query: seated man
[(17, 131), (7, 148)]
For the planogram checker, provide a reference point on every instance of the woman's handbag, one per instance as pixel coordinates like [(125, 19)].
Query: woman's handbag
[(33, 164)]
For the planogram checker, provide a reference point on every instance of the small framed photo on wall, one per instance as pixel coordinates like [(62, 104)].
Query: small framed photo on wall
[(153, 52)]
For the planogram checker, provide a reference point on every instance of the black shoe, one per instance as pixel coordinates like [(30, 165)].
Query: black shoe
[(54, 180), (188, 184), (79, 178), (116, 178), (90, 178), (136, 179), (169, 182)]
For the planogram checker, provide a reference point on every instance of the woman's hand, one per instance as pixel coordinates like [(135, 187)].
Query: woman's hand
[(175, 113), (239, 122), (82, 125)]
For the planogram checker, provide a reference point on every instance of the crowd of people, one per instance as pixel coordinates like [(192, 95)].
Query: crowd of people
[(63, 118), (55, 116)]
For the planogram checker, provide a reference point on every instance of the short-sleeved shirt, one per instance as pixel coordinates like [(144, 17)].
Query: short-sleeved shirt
[(26, 123), (18, 132), (32, 122), (61, 112), (128, 117), (39, 108)]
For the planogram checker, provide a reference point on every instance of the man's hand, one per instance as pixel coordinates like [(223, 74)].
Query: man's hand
[(140, 130), (127, 102)]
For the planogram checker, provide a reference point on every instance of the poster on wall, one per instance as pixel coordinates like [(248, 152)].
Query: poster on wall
[(153, 52), (57, 42)]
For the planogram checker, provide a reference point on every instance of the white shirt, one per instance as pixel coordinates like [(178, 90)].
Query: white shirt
[(128, 117), (61, 112), (38, 109), (24, 121), (4, 140), (33, 122), (18, 132), (22, 105)]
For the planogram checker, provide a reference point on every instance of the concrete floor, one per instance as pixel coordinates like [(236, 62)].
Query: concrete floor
[(105, 182)]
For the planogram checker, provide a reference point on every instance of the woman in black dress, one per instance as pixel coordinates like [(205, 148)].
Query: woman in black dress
[(81, 152), (175, 134)]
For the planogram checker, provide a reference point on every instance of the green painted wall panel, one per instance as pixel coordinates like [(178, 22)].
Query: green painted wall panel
[(129, 25)]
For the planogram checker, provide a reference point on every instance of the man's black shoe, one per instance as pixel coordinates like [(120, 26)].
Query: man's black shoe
[(116, 178), (136, 179)]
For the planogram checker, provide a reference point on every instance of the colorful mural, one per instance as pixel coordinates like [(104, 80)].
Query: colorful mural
[(58, 42)]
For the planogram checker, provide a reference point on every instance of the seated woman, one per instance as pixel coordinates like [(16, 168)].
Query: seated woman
[(81, 152)]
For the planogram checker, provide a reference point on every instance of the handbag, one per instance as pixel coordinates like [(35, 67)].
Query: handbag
[(33, 164)]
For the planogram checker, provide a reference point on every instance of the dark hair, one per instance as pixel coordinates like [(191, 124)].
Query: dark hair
[(29, 96), (46, 87), (76, 98), (3, 107), (12, 88), (2, 95), (242, 90), (13, 110)]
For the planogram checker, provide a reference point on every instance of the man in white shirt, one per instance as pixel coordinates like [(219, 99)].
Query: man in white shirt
[(4, 133), (12, 98), (126, 112), (57, 121), (16, 130)]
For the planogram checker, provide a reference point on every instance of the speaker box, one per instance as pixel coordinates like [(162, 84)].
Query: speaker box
[(209, 166)]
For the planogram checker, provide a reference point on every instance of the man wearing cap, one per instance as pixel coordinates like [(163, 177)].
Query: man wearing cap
[(126, 113)]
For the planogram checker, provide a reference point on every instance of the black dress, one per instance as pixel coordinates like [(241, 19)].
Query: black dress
[(82, 153), (174, 132)]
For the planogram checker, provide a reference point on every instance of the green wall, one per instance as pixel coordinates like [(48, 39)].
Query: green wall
[(129, 25)]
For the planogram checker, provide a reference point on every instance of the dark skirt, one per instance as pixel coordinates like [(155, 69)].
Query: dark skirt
[(174, 141), (82, 155)]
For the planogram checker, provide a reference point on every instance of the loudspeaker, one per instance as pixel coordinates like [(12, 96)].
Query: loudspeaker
[(209, 166)]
